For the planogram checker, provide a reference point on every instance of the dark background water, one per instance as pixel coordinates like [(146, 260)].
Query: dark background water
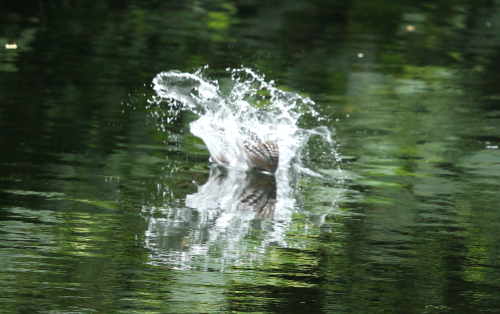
[(86, 172)]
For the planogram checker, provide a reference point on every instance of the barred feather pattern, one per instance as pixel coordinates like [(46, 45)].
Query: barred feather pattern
[(263, 156), (262, 202), (259, 195)]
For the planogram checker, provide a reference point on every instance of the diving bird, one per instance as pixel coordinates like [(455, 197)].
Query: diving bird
[(263, 156)]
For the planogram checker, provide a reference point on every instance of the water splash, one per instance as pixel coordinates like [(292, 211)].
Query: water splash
[(250, 111)]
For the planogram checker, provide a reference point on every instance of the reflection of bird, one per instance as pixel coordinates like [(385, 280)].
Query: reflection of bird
[(259, 194), (251, 191), (263, 156)]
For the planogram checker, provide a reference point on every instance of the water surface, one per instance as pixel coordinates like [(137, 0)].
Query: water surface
[(100, 190)]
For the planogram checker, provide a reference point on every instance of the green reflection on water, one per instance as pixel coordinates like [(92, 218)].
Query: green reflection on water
[(411, 89)]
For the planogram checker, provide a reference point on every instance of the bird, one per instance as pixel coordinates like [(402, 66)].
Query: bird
[(263, 156), (258, 154)]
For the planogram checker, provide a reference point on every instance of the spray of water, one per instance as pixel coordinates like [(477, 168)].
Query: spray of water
[(253, 111), (250, 112)]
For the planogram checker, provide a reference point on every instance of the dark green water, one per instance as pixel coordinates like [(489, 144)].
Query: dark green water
[(93, 187)]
